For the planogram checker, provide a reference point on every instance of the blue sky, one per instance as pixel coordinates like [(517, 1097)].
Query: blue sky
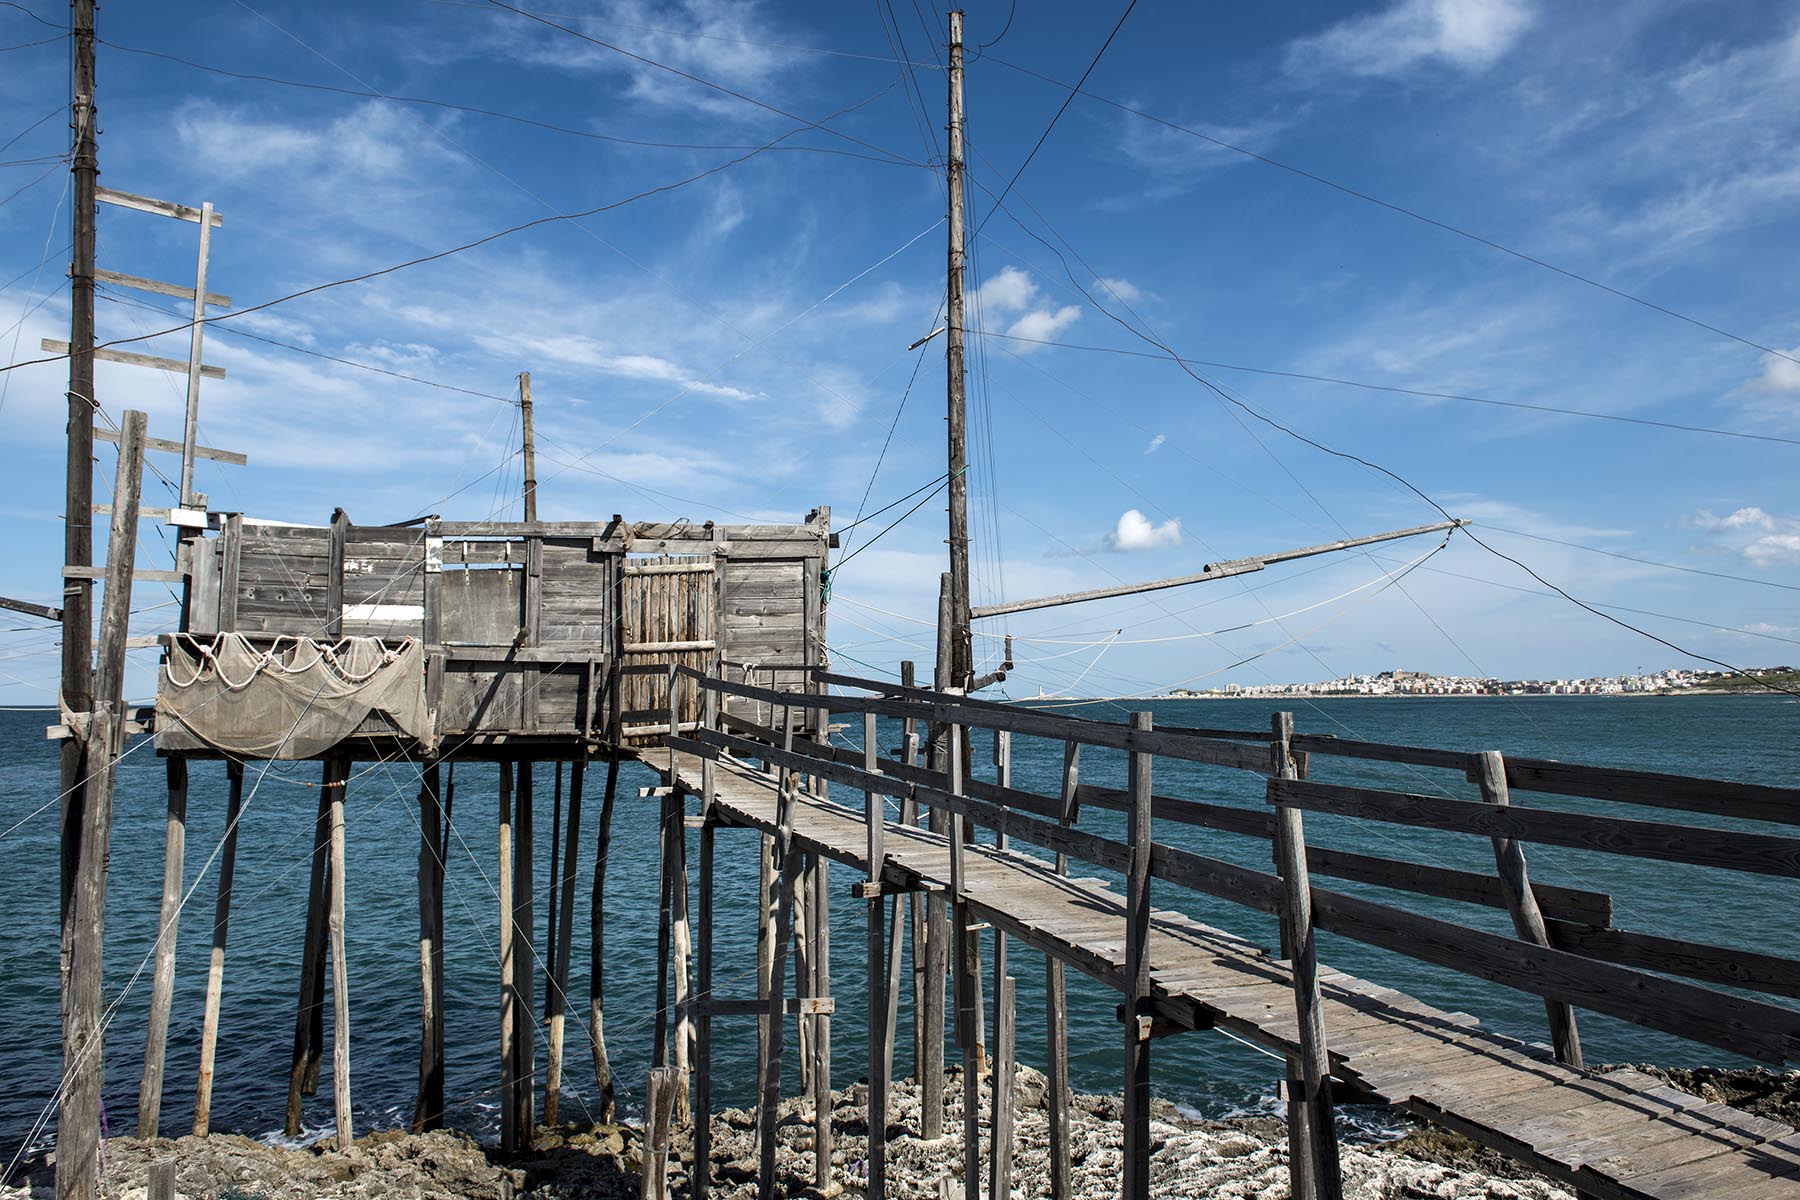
[(737, 346)]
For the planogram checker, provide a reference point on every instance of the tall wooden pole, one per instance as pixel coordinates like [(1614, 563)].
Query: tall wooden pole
[(530, 446), (956, 672), (78, 1155)]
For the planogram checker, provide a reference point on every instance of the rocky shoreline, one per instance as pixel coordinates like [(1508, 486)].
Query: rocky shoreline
[(1242, 1159)]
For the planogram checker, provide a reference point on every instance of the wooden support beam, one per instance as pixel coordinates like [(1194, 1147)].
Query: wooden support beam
[(769, 1108), (663, 1084), (1056, 1023), (162, 979), (215, 971), (139, 283), (309, 1013), (1223, 570), (525, 958), (1320, 1178), (509, 995), (428, 1105), (562, 942), (131, 359), (683, 957), (30, 609), (880, 1026), (340, 974), (819, 914), (1138, 836), (165, 446), (603, 1079), (966, 942), (1006, 1067), (1521, 902), (160, 208), (700, 1183)]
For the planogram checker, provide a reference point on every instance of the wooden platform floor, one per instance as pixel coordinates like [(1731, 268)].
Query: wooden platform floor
[(1622, 1134)]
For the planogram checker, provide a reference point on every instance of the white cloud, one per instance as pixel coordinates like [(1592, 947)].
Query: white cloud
[(1774, 548), (1044, 325), (1752, 517), (1135, 531), (1122, 290), (1469, 34), (1778, 374), (1156, 443), (1012, 290), (1775, 540)]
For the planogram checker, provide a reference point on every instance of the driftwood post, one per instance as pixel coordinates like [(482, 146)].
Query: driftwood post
[(428, 1106), (1318, 1151), (215, 971), (881, 1028), (162, 980), (1139, 835), (603, 1080), (1521, 902)]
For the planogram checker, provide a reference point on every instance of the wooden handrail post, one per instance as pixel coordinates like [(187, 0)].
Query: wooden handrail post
[(1312, 1139), (1139, 835), (1521, 902), (1056, 1007), (880, 1028), (967, 967)]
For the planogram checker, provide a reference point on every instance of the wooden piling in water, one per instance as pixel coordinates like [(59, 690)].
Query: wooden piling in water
[(340, 974), (162, 979), (1056, 1007), (660, 1091), (215, 970), (965, 941), (1136, 1183), (557, 1001), (1005, 1075), (509, 996), (819, 911), (603, 1080), (309, 1014), (524, 957), (428, 1104), (769, 1107), (880, 1016), (701, 1181)]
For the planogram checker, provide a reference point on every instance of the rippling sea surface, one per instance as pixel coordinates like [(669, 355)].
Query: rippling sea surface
[(1734, 737)]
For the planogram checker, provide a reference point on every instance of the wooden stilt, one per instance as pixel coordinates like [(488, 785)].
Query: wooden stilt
[(1056, 1017), (553, 900), (340, 975), (665, 921), (215, 971), (509, 996), (682, 938), (820, 912), (803, 969), (524, 956), (1000, 1155), (162, 979), (881, 1017), (915, 903), (428, 1104), (1136, 1164), (966, 968), (702, 1176), (557, 1001), (603, 1080), (768, 898), (773, 1025), (312, 960), (659, 1100)]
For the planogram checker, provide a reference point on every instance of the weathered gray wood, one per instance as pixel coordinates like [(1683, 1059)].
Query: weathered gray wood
[(525, 958), (509, 992), (1000, 1156), (162, 980), (819, 913), (1056, 1021), (966, 969), (340, 973), (1719, 797), (562, 941), (1764, 854), (160, 208), (659, 1103), (1766, 1032), (1224, 570), (215, 971), (428, 1105), (1319, 1151), (134, 359), (312, 959), (769, 1107), (603, 1080), (1521, 902), (1139, 837), (162, 1180), (1418, 756), (701, 1182), (139, 283), (880, 1020), (1674, 956), (682, 938)]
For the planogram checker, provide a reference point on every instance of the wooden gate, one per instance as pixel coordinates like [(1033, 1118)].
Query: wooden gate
[(668, 613)]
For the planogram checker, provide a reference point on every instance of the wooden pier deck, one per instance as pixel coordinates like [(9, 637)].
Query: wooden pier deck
[(1619, 1134)]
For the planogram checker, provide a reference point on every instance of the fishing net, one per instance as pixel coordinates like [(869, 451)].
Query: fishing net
[(295, 699)]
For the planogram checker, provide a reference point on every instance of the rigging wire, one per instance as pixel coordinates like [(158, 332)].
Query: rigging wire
[(1059, 112), (1404, 211), (939, 486), (1648, 562)]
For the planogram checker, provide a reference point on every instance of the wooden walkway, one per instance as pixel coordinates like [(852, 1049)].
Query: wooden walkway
[(1621, 1134)]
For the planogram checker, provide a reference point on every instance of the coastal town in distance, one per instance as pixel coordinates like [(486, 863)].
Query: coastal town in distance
[(1672, 682)]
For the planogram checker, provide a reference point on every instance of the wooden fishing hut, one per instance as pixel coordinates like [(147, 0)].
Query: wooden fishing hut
[(436, 641)]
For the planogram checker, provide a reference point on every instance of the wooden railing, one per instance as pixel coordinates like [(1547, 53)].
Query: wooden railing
[(1564, 948)]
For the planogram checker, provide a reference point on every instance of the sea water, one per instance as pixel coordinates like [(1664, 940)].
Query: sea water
[(1730, 737)]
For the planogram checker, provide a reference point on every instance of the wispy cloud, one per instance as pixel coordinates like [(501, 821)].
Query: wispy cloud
[(1469, 35), (1013, 291), (1156, 443), (1763, 538)]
